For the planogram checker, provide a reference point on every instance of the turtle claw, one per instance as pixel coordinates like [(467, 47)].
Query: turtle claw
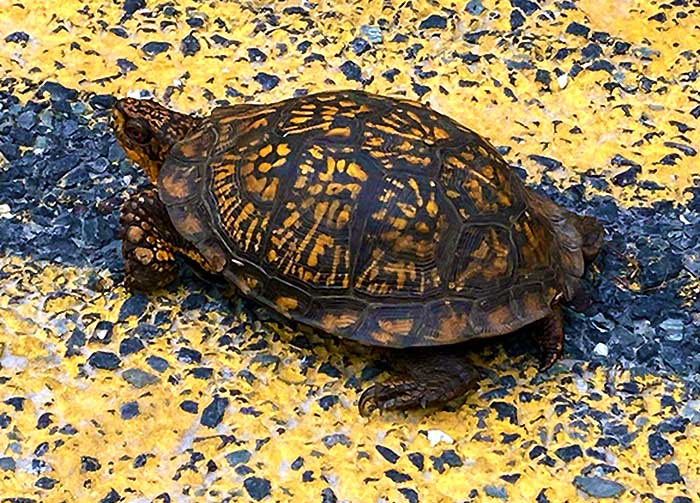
[(391, 396)]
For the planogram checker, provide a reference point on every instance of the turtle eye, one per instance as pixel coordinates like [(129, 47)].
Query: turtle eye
[(138, 131)]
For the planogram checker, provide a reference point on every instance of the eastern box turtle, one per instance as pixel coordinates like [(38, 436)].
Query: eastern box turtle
[(372, 218)]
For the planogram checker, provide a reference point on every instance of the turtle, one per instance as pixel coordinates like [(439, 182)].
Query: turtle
[(372, 218)]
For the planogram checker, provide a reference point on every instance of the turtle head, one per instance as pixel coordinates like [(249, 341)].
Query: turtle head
[(592, 236), (147, 131)]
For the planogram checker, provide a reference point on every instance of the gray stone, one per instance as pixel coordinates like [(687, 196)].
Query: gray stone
[(372, 33), (238, 457), (7, 464), (139, 378), (598, 487), (496, 491)]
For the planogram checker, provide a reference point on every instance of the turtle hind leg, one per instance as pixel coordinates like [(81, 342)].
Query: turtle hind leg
[(422, 377), (549, 335)]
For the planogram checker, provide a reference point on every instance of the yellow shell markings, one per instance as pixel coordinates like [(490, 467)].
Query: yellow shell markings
[(277, 417)]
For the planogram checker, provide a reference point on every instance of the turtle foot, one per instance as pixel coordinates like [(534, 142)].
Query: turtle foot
[(550, 338), (427, 379)]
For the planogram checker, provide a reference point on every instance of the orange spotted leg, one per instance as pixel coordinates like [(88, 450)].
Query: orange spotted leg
[(149, 242), (549, 335), (423, 377)]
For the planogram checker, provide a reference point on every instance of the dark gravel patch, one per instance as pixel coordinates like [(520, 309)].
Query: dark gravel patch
[(60, 198)]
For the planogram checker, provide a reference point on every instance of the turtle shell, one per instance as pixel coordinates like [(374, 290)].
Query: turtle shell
[(372, 218)]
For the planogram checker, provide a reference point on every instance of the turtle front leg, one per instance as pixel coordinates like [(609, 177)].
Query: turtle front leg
[(148, 239), (549, 335), (423, 377)]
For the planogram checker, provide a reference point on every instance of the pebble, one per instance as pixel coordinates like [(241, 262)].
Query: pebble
[(140, 461), (129, 346), (46, 483), (569, 452), (627, 177), (496, 491), (189, 406), (351, 71), (190, 45), (659, 447), (387, 454), (691, 411), (474, 7), (578, 29), (328, 401), (238, 457), (505, 411), (328, 496), (58, 91), (104, 360), (155, 48), (433, 21), (131, 6), (7, 464), (189, 355), (257, 488), (336, 438), (437, 436), (139, 378), (112, 497), (214, 412), (267, 81), (397, 476), (133, 306), (599, 487), (255, 55), (420, 89), (516, 19), (668, 473), (372, 33), (543, 76), (417, 459), (195, 22), (89, 464), (546, 162), (103, 332), (562, 80), (17, 37), (359, 46), (129, 410), (451, 458), (601, 349)]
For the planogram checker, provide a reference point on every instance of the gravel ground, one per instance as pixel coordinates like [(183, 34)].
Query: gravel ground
[(194, 394), (61, 202)]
